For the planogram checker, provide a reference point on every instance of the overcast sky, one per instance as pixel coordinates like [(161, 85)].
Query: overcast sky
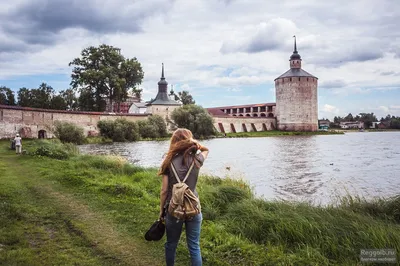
[(224, 52)]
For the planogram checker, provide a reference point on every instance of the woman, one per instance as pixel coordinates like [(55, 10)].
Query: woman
[(182, 151)]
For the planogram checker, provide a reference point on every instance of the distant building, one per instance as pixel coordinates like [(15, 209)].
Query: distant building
[(124, 106), (248, 110), (162, 105), (352, 125), (296, 107), (296, 97), (137, 108), (324, 124)]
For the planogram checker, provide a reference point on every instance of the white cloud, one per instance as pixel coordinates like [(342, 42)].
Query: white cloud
[(330, 109), (385, 109), (350, 46)]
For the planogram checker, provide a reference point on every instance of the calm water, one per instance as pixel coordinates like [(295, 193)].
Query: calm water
[(311, 168)]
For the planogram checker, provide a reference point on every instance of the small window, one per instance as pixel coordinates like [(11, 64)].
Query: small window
[(290, 79), (307, 79), (299, 79)]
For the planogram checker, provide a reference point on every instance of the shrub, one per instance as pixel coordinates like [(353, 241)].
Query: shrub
[(106, 128), (159, 123), (153, 127), (196, 119), (120, 130), (53, 149), (68, 132)]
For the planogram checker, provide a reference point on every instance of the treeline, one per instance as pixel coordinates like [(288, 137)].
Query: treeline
[(368, 119), (101, 79), (43, 97)]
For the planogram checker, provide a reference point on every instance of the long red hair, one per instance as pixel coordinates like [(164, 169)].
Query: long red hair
[(181, 142)]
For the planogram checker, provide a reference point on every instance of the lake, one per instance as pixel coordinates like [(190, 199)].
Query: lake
[(316, 169)]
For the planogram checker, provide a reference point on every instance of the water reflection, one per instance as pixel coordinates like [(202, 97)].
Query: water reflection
[(314, 168)]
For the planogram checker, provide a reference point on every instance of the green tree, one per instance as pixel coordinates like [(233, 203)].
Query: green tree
[(138, 93), (7, 96), (186, 98), (196, 119), (36, 98), (24, 97), (58, 103), (349, 118), (104, 72), (368, 118), (70, 99)]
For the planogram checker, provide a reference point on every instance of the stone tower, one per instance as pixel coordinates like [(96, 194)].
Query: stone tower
[(162, 104), (296, 97)]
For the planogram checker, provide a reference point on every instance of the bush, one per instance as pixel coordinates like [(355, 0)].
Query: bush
[(68, 132), (120, 130), (159, 123), (153, 127), (53, 149), (196, 119)]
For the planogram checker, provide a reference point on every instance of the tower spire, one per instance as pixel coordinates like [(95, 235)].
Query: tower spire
[(295, 45), (162, 71)]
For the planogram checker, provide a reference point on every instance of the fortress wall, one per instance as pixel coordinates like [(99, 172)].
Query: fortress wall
[(237, 122), (29, 121)]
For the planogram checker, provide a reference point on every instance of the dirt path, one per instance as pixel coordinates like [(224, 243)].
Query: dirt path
[(99, 234)]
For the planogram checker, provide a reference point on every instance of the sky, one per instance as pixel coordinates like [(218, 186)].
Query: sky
[(224, 52)]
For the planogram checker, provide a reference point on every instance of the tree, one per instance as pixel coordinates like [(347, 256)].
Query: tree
[(138, 93), (368, 118), (70, 99), (186, 98), (24, 97), (58, 103), (7, 96), (196, 119), (349, 118), (36, 98), (103, 72)]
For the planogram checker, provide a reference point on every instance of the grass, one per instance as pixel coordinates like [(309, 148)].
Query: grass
[(93, 210), (273, 133)]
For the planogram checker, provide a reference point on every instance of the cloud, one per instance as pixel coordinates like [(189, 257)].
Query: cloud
[(329, 84), (214, 45), (271, 35), (41, 21), (330, 109), (390, 73), (384, 109)]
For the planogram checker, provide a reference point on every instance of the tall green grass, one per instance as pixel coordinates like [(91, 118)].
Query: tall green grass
[(238, 228)]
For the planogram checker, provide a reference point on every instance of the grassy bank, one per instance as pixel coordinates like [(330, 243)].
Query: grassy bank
[(92, 210), (273, 133)]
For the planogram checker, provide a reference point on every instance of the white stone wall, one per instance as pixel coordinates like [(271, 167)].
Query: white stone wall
[(237, 122), (13, 120)]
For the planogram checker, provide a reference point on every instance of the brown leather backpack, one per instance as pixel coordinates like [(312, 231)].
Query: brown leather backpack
[(184, 204)]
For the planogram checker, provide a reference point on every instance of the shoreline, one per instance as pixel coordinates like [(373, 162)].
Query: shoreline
[(238, 228)]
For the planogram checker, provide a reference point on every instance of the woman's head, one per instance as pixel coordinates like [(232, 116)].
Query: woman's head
[(181, 142), (181, 134)]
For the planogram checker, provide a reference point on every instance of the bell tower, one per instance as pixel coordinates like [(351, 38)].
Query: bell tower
[(295, 58)]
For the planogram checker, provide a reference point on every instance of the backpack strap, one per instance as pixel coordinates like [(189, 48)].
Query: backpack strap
[(187, 174)]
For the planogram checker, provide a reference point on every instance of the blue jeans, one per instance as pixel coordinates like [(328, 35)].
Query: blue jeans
[(174, 230)]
